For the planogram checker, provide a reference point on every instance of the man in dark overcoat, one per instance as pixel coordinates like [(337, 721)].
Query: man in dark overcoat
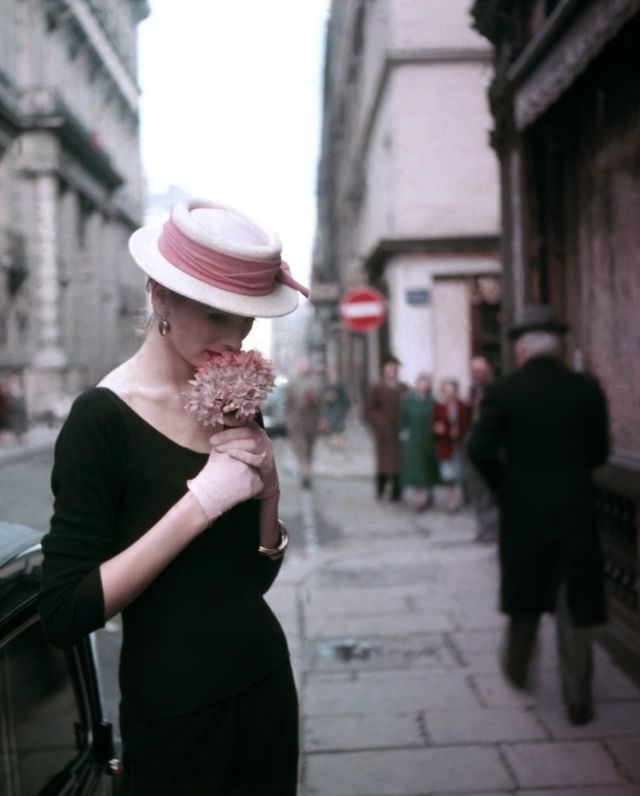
[(541, 432), (382, 409)]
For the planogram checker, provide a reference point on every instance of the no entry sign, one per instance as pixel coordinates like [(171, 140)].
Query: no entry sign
[(362, 308)]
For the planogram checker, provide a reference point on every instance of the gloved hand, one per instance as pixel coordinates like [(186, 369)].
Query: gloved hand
[(250, 444), (223, 482)]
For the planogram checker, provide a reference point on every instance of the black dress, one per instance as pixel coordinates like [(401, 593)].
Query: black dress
[(202, 653)]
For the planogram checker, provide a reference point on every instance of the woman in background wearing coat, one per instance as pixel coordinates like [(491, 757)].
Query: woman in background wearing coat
[(450, 424), (419, 470)]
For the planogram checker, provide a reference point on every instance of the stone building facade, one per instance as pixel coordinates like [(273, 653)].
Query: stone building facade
[(566, 106), (408, 187), (70, 191)]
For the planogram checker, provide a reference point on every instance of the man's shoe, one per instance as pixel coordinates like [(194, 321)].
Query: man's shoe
[(517, 677), (580, 714), (515, 669)]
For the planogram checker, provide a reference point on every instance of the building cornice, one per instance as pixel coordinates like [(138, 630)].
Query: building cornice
[(572, 37), (481, 245), (438, 55), (96, 38), (536, 49)]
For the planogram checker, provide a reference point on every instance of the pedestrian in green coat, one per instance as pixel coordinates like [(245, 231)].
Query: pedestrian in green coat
[(419, 470)]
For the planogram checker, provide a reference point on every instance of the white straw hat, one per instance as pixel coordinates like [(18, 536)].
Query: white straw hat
[(218, 256)]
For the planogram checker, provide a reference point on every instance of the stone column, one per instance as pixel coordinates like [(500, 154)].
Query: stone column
[(45, 380), (48, 354), (67, 255)]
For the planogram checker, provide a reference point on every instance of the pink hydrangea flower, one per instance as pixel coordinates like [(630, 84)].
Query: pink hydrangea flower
[(229, 382)]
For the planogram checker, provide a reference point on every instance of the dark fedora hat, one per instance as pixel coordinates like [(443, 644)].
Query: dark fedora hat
[(537, 318)]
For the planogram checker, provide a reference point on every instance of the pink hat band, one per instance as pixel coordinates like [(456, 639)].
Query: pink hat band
[(246, 276)]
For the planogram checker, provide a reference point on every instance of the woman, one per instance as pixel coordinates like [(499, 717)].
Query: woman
[(419, 469), (177, 528), (449, 424)]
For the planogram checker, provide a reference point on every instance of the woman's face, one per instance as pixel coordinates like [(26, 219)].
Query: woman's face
[(196, 329), (449, 391)]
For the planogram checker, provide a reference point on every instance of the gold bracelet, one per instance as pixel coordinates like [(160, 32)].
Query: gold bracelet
[(275, 553)]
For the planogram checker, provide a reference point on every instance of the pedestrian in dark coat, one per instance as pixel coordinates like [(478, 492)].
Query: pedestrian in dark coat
[(382, 409), (541, 432)]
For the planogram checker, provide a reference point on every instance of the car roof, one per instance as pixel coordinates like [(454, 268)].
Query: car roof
[(16, 541), (20, 573)]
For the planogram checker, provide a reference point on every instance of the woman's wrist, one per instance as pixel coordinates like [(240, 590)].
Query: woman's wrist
[(271, 486), (195, 518), (277, 551)]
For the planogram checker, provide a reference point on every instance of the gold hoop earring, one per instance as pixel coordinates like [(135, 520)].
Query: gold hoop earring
[(164, 326)]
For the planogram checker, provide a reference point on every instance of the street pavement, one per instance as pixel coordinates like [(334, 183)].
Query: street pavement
[(394, 635), (392, 624), (38, 439)]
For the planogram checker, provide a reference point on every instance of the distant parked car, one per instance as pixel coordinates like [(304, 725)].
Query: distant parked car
[(273, 410), (54, 738)]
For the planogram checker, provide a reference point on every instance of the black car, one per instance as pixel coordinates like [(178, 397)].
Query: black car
[(53, 736)]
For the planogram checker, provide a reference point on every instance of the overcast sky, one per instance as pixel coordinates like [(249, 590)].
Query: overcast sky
[(230, 107)]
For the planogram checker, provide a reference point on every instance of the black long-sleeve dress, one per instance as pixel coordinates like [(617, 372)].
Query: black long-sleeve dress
[(201, 635)]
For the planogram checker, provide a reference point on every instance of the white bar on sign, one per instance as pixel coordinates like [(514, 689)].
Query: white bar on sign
[(363, 309)]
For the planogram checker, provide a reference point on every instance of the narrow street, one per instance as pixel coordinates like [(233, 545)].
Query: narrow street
[(394, 636), (394, 633)]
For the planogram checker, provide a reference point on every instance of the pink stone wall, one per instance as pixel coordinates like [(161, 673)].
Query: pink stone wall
[(445, 174)]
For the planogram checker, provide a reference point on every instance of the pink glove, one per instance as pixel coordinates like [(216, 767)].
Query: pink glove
[(224, 482), (250, 444)]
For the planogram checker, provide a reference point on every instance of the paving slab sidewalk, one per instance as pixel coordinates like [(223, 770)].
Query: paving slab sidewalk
[(38, 438), (394, 636)]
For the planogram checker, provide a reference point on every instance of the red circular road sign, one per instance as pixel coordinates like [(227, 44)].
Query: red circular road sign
[(362, 308)]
